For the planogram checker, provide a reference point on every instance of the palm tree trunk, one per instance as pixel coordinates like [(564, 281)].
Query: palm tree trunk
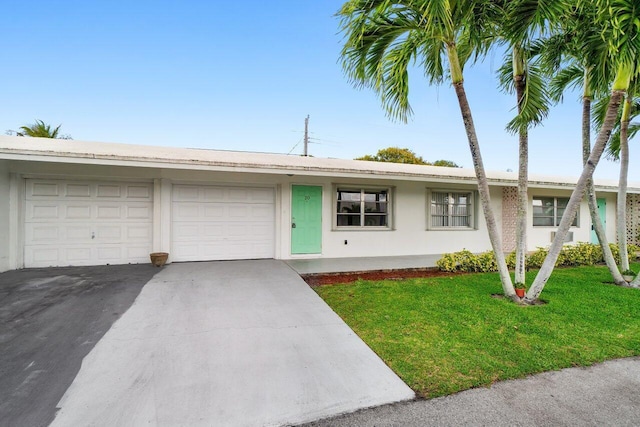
[(483, 190), (598, 227), (622, 185), (483, 186), (523, 176), (592, 199), (576, 197)]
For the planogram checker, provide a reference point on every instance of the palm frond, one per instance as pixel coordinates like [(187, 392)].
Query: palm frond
[(534, 107)]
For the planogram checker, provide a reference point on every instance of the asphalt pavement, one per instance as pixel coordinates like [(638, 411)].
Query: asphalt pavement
[(607, 394), (50, 319)]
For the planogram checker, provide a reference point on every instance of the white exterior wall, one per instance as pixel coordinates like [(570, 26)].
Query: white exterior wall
[(541, 236), (5, 190), (409, 234)]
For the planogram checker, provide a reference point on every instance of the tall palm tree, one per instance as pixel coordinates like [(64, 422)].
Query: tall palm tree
[(385, 37), (522, 75), (39, 130), (618, 149), (570, 58), (622, 37)]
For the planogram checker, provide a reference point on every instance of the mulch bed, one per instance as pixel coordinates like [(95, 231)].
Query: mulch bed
[(319, 279)]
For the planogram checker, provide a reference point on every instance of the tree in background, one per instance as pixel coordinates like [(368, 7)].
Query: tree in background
[(41, 130), (403, 155), (446, 163)]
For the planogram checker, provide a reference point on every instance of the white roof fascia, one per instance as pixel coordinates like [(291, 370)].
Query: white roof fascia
[(97, 153)]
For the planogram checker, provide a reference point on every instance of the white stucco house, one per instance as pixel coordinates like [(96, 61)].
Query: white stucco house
[(66, 202)]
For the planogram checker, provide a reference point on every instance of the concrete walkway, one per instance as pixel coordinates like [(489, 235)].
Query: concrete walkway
[(346, 265), (601, 395), (226, 343)]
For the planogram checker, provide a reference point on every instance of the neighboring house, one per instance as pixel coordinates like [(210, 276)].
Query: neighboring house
[(87, 203)]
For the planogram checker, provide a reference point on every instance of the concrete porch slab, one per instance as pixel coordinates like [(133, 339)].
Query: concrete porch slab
[(345, 265)]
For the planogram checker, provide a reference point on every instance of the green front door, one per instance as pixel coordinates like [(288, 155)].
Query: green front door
[(602, 210), (306, 219)]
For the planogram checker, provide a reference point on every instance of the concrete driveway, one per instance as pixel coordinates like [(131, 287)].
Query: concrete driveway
[(226, 343)]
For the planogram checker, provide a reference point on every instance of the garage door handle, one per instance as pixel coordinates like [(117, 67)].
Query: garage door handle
[(293, 225), (93, 235)]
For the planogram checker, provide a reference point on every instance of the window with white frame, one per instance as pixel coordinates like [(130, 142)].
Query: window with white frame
[(451, 209), (362, 208), (548, 211)]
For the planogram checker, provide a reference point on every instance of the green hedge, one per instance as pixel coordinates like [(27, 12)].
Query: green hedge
[(571, 255)]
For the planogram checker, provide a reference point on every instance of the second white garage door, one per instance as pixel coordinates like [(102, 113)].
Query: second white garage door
[(222, 223)]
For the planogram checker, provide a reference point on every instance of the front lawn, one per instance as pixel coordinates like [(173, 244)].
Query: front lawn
[(444, 335)]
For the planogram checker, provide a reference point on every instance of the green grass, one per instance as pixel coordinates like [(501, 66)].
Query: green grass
[(444, 335)]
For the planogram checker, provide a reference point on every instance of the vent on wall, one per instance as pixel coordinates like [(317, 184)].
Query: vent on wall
[(567, 239)]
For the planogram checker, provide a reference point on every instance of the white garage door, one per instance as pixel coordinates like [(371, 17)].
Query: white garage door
[(87, 223), (222, 223)]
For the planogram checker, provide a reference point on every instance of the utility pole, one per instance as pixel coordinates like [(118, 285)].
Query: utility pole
[(306, 136)]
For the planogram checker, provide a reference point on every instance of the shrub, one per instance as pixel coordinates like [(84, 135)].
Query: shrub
[(570, 256), (468, 262), (448, 262)]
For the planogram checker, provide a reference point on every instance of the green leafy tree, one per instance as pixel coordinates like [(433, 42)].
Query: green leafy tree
[(446, 163), (41, 130), (395, 155), (403, 155)]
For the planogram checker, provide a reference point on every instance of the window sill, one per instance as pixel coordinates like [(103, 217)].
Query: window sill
[(362, 229), (451, 229)]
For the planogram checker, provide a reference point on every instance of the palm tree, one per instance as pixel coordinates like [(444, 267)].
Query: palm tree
[(618, 149), (622, 37), (566, 57), (383, 38), (521, 74), (41, 130)]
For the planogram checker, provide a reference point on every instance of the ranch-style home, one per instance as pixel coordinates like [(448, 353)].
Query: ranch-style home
[(65, 202)]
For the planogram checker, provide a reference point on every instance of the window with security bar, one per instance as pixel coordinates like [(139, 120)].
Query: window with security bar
[(451, 209)]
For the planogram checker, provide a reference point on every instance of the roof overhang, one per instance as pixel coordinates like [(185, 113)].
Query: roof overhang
[(140, 156)]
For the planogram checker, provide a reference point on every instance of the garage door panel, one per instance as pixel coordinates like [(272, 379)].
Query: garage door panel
[(138, 192), (78, 255), (43, 211), (139, 233), (41, 189), (263, 213), (262, 195), (213, 211), (76, 233), (108, 191), (44, 256), (73, 212), (138, 212), (211, 194), (42, 233), (77, 190), (109, 212), (185, 193), (222, 223), (87, 223)]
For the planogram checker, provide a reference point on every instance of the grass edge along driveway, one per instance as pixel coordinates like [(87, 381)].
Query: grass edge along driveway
[(444, 335)]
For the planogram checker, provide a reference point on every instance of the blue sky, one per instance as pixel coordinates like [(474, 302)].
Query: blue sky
[(242, 76)]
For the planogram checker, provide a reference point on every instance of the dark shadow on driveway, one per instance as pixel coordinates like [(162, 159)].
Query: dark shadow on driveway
[(49, 321)]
